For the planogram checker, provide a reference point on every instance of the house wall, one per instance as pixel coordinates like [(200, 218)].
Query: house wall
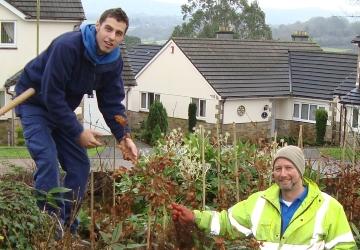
[(25, 49), (171, 75), (253, 110)]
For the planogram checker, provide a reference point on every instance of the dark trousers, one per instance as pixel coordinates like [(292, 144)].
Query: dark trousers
[(50, 146)]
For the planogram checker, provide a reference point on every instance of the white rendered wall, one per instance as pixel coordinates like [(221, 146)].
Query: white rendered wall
[(175, 78)]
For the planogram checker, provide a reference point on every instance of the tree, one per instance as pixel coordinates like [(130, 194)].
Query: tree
[(131, 41), (203, 18)]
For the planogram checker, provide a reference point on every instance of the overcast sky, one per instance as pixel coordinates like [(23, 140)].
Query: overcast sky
[(277, 11)]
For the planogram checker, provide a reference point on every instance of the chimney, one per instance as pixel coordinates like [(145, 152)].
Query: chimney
[(300, 36), (356, 40), (224, 33)]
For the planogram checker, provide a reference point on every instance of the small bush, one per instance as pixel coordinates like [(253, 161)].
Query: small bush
[(20, 141), (321, 120), (157, 117), (192, 117), (22, 224)]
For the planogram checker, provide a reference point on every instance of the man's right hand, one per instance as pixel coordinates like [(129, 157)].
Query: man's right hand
[(181, 214), (87, 138)]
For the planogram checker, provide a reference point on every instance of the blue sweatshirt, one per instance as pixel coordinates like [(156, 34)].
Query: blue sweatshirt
[(63, 73)]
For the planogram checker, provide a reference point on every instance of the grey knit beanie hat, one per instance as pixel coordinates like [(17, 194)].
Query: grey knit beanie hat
[(293, 154)]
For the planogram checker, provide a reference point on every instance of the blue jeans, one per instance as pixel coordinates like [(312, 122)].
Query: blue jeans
[(50, 146)]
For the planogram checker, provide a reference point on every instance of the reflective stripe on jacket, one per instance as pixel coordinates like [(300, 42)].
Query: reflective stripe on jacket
[(319, 223)]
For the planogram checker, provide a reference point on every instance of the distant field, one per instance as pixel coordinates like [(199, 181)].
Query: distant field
[(22, 152)]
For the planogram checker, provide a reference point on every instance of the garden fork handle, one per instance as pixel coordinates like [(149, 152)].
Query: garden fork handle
[(17, 100)]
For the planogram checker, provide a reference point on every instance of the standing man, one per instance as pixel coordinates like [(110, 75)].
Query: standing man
[(75, 63), (291, 214)]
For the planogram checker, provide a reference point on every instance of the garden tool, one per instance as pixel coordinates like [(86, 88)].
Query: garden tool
[(17, 100)]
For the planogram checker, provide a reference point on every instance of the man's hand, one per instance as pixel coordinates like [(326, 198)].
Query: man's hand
[(181, 214), (128, 149), (88, 139)]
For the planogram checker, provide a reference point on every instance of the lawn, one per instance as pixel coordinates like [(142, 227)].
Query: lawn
[(22, 152), (336, 152)]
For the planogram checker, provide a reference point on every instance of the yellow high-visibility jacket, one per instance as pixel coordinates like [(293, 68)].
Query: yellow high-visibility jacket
[(319, 223)]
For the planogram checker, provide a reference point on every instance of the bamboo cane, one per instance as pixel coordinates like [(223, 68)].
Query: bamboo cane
[(236, 166)]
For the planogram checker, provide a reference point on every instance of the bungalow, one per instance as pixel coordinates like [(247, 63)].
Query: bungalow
[(261, 86)]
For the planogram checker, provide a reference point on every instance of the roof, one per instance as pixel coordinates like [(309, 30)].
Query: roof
[(51, 9), (243, 68), (346, 85), (352, 97), (141, 54), (318, 74), (127, 73)]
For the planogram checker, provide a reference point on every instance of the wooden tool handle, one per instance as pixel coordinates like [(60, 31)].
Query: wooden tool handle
[(17, 100)]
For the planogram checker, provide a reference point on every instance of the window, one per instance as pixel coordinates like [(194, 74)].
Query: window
[(148, 98), (2, 98), (200, 106), (7, 33), (306, 111), (355, 118), (296, 110)]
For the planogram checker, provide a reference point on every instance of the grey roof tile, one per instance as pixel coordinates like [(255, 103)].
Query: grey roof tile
[(346, 85), (51, 9), (243, 68), (318, 74), (352, 97), (141, 54)]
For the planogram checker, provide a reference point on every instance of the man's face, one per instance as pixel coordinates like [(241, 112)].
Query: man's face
[(109, 34), (286, 175)]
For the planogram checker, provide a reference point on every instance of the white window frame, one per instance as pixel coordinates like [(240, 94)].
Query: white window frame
[(300, 106), (8, 45), (200, 113), (147, 105)]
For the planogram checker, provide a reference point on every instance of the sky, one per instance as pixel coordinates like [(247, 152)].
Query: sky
[(276, 11)]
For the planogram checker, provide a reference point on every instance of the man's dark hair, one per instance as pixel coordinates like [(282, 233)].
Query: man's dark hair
[(116, 13)]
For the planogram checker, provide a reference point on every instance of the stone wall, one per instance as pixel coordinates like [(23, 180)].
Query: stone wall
[(5, 130), (286, 128), (247, 131)]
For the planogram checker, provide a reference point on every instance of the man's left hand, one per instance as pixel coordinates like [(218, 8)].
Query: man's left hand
[(128, 149)]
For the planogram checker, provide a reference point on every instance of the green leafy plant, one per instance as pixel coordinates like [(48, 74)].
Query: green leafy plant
[(22, 224), (356, 234), (52, 196), (192, 117), (321, 117), (20, 137), (112, 240), (157, 117)]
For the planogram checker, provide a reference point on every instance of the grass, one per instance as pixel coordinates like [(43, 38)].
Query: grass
[(336, 153), (22, 152)]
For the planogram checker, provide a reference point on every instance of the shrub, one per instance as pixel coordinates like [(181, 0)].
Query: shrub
[(22, 224), (155, 135), (192, 117), (321, 120), (157, 117), (20, 137)]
